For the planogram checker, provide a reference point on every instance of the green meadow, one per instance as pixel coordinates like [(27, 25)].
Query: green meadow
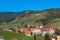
[(20, 36)]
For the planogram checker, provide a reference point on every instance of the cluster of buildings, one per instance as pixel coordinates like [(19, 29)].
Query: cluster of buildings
[(37, 30), (29, 31)]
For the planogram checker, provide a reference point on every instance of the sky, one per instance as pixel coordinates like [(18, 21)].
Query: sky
[(21, 5)]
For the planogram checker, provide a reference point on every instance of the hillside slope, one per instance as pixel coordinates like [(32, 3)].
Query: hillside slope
[(30, 17)]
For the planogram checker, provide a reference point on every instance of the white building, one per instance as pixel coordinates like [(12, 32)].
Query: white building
[(36, 31), (47, 29)]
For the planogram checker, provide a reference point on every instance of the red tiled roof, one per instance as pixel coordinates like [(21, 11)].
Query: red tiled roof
[(47, 27), (27, 32)]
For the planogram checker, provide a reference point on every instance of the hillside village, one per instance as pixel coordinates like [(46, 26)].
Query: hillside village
[(28, 30), (31, 23)]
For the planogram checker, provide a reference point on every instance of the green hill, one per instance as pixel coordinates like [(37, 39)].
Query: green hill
[(30, 17)]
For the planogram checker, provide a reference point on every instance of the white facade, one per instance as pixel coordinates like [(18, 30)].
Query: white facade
[(52, 31), (44, 32), (36, 32), (48, 31)]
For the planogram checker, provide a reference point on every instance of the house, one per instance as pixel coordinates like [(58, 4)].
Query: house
[(47, 29), (26, 31), (23, 29), (36, 30)]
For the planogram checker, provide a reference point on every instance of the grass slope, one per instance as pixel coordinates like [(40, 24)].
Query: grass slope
[(55, 23), (31, 20), (9, 35)]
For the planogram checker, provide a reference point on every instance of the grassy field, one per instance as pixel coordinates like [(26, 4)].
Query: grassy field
[(9, 35), (55, 23)]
